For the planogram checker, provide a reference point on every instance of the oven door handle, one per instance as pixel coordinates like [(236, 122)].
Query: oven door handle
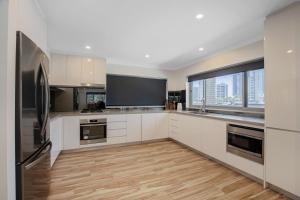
[(246, 135), (89, 125)]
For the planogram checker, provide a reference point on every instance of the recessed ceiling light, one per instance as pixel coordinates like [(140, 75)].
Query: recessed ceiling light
[(88, 47), (289, 51), (147, 56), (201, 49), (199, 16), (89, 60)]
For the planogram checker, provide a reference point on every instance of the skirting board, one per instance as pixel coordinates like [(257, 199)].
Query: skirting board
[(282, 191), (113, 145)]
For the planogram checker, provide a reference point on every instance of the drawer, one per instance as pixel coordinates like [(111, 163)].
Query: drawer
[(116, 125), (116, 133), (116, 140), (116, 118)]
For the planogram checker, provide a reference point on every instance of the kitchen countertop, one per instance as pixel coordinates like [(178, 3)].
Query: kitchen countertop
[(225, 117)]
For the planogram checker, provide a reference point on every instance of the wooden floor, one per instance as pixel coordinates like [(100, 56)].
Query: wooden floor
[(162, 170)]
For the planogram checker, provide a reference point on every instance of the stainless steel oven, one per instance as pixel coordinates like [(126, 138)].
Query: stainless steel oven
[(93, 131), (247, 142)]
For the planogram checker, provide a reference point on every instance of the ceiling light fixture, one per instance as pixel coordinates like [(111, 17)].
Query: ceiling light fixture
[(88, 47), (201, 49), (289, 51), (147, 56), (199, 16)]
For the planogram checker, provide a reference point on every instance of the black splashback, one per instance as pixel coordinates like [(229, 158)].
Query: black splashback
[(135, 91)]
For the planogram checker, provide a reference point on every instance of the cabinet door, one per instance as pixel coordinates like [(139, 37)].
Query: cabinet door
[(161, 125), (174, 128), (58, 69), (148, 127), (87, 76), (214, 138), (71, 132), (134, 128), (282, 160), (191, 131), (282, 69), (74, 64), (100, 72), (55, 137)]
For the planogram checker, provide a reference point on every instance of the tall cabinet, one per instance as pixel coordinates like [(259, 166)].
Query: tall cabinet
[(282, 76)]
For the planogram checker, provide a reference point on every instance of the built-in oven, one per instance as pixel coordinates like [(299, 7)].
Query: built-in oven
[(93, 131), (247, 142)]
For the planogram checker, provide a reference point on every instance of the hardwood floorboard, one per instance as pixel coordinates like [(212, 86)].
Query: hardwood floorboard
[(161, 170)]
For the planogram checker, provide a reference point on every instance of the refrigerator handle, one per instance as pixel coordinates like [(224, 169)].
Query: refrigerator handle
[(46, 114), (41, 156)]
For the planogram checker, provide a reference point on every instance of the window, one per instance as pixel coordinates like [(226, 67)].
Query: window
[(225, 90), (256, 88), (237, 87), (198, 92)]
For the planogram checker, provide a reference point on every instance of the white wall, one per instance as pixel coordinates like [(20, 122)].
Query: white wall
[(177, 78), (136, 71), (31, 21), (14, 15), (7, 84)]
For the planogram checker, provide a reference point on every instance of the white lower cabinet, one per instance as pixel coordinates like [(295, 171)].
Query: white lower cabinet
[(282, 160), (71, 133), (174, 127), (209, 137), (56, 137), (213, 138), (134, 128), (154, 126)]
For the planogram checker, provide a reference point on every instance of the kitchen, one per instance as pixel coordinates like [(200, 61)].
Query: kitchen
[(121, 110)]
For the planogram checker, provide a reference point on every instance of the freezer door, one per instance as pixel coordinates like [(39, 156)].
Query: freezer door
[(32, 98), (33, 177)]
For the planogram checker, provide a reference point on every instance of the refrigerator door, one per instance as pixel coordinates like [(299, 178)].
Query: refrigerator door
[(34, 175), (32, 99)]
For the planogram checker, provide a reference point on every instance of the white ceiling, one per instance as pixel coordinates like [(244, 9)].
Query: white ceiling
[(123, 31)]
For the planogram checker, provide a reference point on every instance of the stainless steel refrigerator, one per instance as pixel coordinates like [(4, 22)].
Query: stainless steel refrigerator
[(33, 143)]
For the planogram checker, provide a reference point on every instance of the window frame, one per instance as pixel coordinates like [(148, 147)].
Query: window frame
[(240, 109)]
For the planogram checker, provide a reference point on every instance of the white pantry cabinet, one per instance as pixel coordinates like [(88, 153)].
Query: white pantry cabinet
[(282, 68), (282, 160), (56, 137), (69, 70), (154, 126), (71, 133)]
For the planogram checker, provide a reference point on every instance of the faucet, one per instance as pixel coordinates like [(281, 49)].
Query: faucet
[(203, 107)]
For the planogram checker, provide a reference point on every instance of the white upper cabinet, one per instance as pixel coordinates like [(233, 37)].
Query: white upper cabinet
[(100, 71), (57, 69), (77, 71), (74, 71), (282, 69), (88, 66)]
